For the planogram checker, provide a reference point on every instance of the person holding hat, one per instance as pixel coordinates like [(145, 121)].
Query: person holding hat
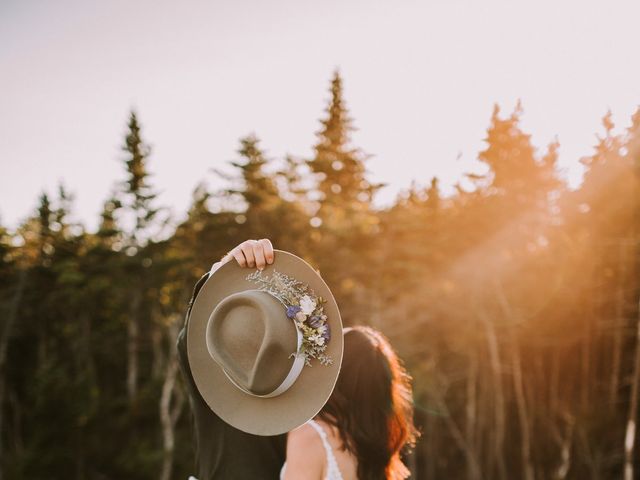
[(260, 354)]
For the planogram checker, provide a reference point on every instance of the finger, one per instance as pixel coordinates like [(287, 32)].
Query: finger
[(227, 257), (259, 255), (267, 248), (247, 249), (239, 256)]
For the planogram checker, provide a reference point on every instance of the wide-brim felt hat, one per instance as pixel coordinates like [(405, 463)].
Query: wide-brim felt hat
[(244, 348)]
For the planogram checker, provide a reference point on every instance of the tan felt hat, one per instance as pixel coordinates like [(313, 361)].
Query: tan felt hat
[(265, 347)]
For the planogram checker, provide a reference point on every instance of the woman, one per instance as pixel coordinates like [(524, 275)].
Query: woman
[(367, 421)]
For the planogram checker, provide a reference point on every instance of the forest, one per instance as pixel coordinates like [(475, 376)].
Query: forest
[(513, 302)]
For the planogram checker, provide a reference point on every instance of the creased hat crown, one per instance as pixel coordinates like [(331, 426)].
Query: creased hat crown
[(251, 338)]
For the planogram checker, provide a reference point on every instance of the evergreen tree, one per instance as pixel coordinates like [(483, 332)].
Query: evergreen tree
[(261, 205), (258, 189), (433, 196), (343, 188), (607, 193), (138, 208), (139, 197), (108, 231), (632, 140), (45, 233), (514, 170)]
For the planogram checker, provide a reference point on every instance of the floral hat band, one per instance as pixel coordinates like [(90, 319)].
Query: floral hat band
[(304, 308)]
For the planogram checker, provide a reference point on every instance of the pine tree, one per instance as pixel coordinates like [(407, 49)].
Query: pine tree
[(140, 198), (343, 186), (138, 206), (514, 169), (63, 210), (108, 231), (632, 156), (44, 228), (608, 185), (632, 147), (433, 196), (258, 190), (197, 240), (632, 141), (258, 198)]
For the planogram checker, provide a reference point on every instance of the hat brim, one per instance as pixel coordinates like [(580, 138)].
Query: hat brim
[(255, 415)]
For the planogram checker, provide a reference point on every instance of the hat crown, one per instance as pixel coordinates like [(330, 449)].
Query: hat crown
[(250, 336)]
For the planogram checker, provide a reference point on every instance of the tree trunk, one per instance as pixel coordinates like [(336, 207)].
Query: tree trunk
[(471, 407), (618, 332), (84, 361), (472, 463), (132, 346), (511, 317), (169, 413), (564, 439), (498, 399), (518, 385), (632, 419), (157, 365), (554, 380)]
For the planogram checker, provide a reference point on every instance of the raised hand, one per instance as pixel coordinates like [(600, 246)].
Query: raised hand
[(250, 253)]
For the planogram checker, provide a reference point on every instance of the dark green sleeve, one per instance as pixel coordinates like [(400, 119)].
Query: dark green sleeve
[(182, 342)]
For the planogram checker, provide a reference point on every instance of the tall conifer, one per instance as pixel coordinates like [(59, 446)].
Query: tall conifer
[(139, 201), (340, 169), (140, 215)]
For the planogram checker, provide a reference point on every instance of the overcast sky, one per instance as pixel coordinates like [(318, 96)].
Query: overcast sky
[(420, 80)]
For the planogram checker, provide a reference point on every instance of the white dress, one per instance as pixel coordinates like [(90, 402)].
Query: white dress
[(333, 472)]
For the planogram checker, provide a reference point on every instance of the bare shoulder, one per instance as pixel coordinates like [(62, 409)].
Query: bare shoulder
[(305, 454), (307, 440)]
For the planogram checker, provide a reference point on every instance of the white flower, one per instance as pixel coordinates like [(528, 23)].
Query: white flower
[(301, 316), (317, 339), (307, 304)]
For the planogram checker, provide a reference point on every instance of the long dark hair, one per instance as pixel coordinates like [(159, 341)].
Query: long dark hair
[(372, 405)]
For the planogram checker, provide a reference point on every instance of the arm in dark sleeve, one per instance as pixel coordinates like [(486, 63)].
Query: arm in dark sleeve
[(194, 294), (181, 344)]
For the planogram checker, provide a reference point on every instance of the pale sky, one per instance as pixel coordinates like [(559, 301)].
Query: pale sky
[(420, 81)]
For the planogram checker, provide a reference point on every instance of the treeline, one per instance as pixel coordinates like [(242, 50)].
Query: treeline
[(514, 304)]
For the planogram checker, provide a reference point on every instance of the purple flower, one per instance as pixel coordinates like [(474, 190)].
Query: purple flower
[(314, 321), (327, 333), (292, 310)]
